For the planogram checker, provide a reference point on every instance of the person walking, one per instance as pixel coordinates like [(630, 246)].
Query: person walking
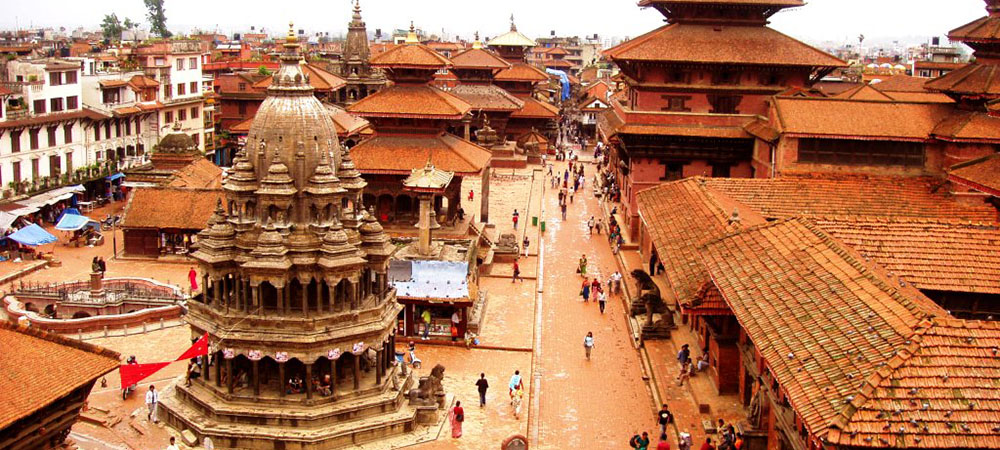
[(173, 444), (426, 317), (563, 208), (515, 384), (598, 226), (517, 273), (193, 279), (514, 217), (471, 194), (152, 403), (663, 418), (602, 299), (585, 290), (525, 243), (456, 416), (482, 385), (588, 344), (583, 265), (515, 402), (590, 225), (684, 355)]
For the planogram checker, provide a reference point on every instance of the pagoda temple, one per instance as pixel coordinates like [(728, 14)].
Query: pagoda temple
[(475, 69), (410, 118), (694, 84), (354, 67), (296, 303), (521, 79)]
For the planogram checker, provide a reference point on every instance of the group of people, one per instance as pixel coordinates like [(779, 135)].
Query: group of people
[(515, 389), (97, 265), (690, 367)]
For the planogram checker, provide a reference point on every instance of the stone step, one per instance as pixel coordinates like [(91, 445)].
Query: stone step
[(293, 413), (326, 435)]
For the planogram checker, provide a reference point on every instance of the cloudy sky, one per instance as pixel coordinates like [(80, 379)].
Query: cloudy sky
[(818, 21)]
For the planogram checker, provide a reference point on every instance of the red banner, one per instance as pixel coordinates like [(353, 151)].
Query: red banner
[(134, 373)]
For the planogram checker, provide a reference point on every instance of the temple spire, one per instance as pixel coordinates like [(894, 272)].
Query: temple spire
[(411, 37)]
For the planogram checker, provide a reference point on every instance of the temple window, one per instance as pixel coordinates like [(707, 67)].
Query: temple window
[(725, 104), (676, 103), (878, 153)]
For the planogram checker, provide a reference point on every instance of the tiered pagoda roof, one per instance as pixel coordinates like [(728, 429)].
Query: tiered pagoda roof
[(478, 58), (412, 101), (978, 81)]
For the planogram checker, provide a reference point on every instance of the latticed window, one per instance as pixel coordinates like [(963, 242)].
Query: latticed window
[(876, 153)]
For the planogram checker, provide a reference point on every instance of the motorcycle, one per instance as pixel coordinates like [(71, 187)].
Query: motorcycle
[(110, 222)]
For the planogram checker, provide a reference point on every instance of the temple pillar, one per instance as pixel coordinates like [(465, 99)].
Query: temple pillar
[(216, 291), (319, 297), (357, 372), (230, 376), (308, 381), (352, 295), (237, 293), (424, 224), (281, 379), (288, 300), (255, 293), (218, 370), (378, 367), (256, 379), (305, 299), (281, 300), (204, 288), (333, 379), (484, 197)]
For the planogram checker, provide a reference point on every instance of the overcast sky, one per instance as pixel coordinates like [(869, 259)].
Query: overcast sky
[(819, 20)]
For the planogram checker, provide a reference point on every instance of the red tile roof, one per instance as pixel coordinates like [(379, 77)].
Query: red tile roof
[(985, 29), (41, 119), (139, 82), (242, 127), (522, 72), (201, 173), (347, 124), (681, 216), (40, 368), (536, 109), (417, 56), (982, 174), (902, 83), (112, 83), (822, 317), (819, 195), (838, 118), (875, 93), (973, 79), (940, 390), (969, 126), (400, 154), (170, 208), (937, 254), (420, 101), (487, 97), (478, 58), (721, 45), (319, 79)]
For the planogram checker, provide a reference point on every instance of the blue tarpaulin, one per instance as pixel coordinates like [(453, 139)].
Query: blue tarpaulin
[(33, 235), (68, 211), (73, 222), (115, 176), (563, 80)]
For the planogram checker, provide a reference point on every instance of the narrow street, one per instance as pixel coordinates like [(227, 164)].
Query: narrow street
[(599, 403)]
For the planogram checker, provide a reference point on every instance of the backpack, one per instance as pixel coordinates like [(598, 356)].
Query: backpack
[(460, 417), (634, 442)]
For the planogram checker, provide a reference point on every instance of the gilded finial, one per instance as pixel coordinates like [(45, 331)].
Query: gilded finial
[(512, 26), (291, 33), (411, 37), (476, 43)]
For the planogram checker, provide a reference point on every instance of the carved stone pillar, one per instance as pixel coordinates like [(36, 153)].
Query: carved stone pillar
[(256, 379), (230, 376), (281, 379), (308, 381), (305, 299), (357, 372), (378, 367)]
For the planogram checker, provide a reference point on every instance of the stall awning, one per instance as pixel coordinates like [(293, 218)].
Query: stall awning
[(115, 176), (33, 235), (73, 222), (51, 197), (6, 220)]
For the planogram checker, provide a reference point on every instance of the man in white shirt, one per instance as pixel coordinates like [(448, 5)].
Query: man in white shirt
[(173, 445), (152, 401)]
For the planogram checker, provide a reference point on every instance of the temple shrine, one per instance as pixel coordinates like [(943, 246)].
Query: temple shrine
[(410, 118), (475, 69), (686, 108), (297, 306), (354, 66), (521, 79)]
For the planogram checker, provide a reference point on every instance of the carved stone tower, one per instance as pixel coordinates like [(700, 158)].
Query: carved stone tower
[(361, 79)]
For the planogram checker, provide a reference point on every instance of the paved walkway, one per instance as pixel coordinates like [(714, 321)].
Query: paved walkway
[(584, 404)]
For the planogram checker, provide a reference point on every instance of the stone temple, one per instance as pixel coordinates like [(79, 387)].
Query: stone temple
[(294, 274)]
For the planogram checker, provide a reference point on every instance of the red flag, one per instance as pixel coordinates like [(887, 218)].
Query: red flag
[(200, 348), (134, 373)]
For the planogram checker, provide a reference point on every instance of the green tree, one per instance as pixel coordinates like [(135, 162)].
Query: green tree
[(112, 27), (129, 24), (262, 70), (157, 18)]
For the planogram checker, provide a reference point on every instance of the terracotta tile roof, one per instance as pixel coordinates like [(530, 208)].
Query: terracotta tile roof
[(319, 79), (201, 173), (41, 119), (721, 45), (902, 83), (242, 127), (834, 87), (419, 101), (681, 216), (347, 124), (522, 72), (969, 126), (819, 195), (417, 56), (400, 154), (939, 391), (937, 254), (40, 368), (822, 317), (478, 58), (707, 301), (973, 79), (140, 82), (512, 38), (875, 93), (920, 97), (599, 90), (112, 83), (762, 129), (557, 63), (150, 106), (536, 109), (126, 110), (864, 92), (984, 29), (488, 97), (170, 207), (982, 174), (838, 118)]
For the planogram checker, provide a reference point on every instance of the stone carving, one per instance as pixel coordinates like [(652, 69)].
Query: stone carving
[(649, 301), (507, 244), (430, 391)]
